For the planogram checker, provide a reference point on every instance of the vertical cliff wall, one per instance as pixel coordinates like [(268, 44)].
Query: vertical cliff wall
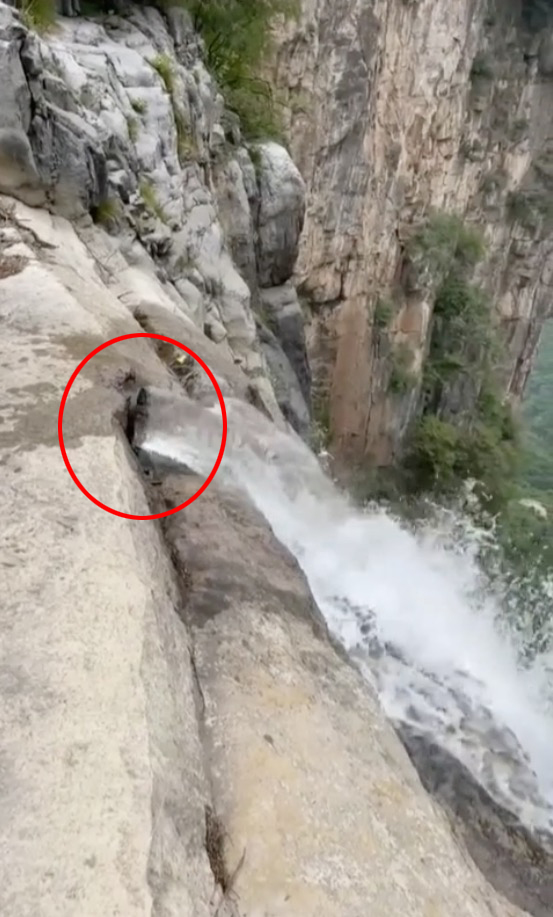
[(398, 109)]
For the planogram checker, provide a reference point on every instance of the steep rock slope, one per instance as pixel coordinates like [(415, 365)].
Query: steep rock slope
[(175, 721), (399, 108)]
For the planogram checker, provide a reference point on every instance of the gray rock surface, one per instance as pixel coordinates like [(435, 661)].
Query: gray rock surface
[(175, 724), (157, 681), (519, 864), (102, 787), (282, 312), (323, 812), (285, 382), (119, 118), (280, 215)]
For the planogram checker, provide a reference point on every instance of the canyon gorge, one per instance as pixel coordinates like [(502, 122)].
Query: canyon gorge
[(268, 701)]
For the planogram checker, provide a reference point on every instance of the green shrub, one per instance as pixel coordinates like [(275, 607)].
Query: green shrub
[(186, 144), (140, 106), (108, 211), (259, 110), (401, 376), (163, 65), (237, 36), (495, 413), (443, 455), (238, 32), (444, 242), (461, 337), (481, 442), (383, 313), (457, 298), (39, 15), (433, 454), (490, 459), (461, 340)]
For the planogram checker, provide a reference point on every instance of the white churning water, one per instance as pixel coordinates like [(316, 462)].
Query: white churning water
[(409, 606)]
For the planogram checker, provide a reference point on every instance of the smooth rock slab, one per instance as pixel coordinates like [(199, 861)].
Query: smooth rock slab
[(313, 786), (102, 784)]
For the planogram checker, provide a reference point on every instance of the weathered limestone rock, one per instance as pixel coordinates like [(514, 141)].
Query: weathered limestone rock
[(397, 108), (18, 172), (280, 216), (281, 334), (237, 219), (516, 862), (285, 382), (102, 787), (137, 697), (17, 103)]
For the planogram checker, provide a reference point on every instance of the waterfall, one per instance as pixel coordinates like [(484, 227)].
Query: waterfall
[(410, 606)]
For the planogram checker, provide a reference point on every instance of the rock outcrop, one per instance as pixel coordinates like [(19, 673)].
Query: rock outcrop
[(514, 860), (398, 108), (118, 118)]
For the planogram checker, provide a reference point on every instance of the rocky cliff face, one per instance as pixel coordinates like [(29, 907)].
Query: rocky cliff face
[(179, 734), (117, 120), (400, 108)]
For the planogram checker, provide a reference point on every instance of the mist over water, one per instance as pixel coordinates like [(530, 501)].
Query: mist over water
[(413, 607)]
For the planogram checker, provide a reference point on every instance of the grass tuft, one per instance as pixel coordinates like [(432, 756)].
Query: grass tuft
[(107, 211), (148, 194), (39, 15), (163, 65)]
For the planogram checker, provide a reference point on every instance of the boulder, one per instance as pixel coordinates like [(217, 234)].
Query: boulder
[(280, 214)]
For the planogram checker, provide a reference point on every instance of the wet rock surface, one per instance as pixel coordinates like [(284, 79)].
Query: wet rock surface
[(497, 809), (518, 862), (303, 802)]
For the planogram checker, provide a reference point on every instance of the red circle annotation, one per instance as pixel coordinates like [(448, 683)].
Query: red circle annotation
[(218, 460)]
